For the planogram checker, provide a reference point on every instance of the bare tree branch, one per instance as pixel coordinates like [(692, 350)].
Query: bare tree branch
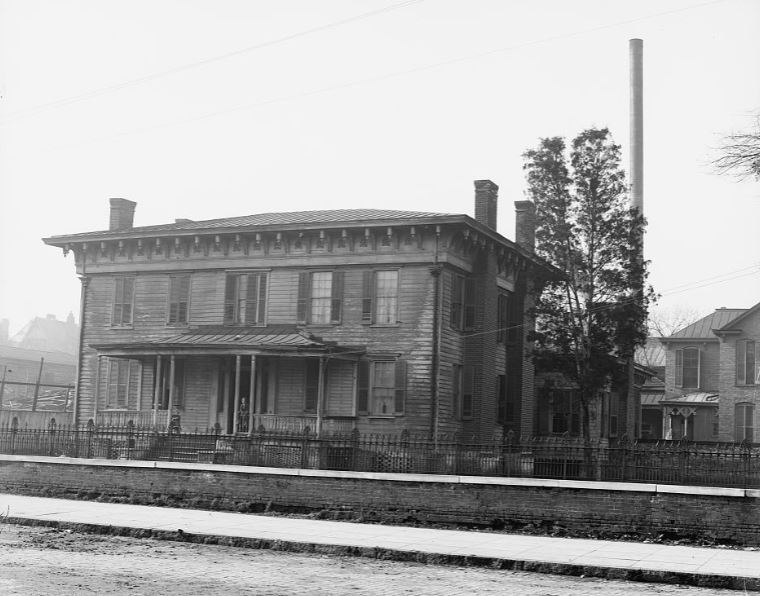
[(740, 154)]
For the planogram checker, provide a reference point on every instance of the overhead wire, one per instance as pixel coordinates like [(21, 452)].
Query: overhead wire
[(184, 67)]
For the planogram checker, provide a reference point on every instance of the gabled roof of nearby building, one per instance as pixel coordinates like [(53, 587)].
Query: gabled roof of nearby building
[(703, 328), (48, 334), (733, 323)]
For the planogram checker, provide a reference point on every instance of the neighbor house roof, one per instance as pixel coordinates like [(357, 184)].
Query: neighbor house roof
[(703, 328)]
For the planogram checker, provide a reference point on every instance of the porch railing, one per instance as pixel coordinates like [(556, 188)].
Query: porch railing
[(665, 462)]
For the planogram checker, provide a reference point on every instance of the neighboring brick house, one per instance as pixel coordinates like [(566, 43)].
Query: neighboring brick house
[(710, 393), (371, 319)]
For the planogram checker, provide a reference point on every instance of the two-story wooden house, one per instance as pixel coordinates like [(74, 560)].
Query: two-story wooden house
[(711, 381), (371, 319)]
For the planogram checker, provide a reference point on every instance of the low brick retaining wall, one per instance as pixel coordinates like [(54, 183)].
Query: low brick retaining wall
[(606, 509)]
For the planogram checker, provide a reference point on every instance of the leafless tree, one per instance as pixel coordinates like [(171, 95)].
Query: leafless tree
[(739, 154), (665, 321)]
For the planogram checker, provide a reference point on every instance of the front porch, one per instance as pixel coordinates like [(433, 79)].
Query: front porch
[(274, 381)]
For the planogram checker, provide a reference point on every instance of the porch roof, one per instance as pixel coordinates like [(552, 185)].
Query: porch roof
[(696, 398), (282, 339)]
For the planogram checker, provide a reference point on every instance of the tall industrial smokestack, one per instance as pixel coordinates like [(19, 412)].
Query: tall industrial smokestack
[(636, 47), (636, 52)]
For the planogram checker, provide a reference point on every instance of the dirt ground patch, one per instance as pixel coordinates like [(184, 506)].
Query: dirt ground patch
[(37, 560)]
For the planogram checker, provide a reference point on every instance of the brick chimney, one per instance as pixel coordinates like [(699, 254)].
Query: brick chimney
[(486, 197), (525, 224), (122, 214)]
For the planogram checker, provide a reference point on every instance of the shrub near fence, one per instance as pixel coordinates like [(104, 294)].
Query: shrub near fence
[(665, 462)]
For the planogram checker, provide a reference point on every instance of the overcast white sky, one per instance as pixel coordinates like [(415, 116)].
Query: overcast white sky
[(216, 108)]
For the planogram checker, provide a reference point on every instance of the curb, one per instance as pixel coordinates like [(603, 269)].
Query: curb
[(427, 558)]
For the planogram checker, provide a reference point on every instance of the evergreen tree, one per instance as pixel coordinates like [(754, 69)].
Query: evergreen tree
[(591, 320)]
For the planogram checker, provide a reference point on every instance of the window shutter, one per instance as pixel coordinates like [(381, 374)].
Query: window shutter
[(261, 311), (251, 299), (456, 390), (469, 304), (699, 369), (467, 387), (129, 292), (311, 388), (455, 315), (117, 306), (679, 368), (336, 311), (303, 298), (230, 289), (184, 299), (362, 393), (368, 294), (400, 394)]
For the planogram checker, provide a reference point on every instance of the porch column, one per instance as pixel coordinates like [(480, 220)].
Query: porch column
[(235, 412), (685, 426), (157, 391), (321, 394), (171, 391), (252, 396)]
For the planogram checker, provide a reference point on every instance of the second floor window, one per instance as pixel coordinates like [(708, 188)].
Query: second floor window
[(462, 303), (320, 297), (380, 297), (746, 369), (688, 365), (245, 298), (179, 298), (123, 301)]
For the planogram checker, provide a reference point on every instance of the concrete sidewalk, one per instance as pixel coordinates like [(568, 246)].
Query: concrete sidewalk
[(738, 569)]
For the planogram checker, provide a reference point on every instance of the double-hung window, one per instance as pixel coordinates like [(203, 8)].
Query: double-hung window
[(123, 301), (320, 297), (380, 297), (179, 298), (688, 368), (746, 368), (245, 298), (119, 378), (381, 387), (462, 303), (744, 417)]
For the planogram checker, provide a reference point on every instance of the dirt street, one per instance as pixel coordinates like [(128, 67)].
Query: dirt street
[(46, 561)]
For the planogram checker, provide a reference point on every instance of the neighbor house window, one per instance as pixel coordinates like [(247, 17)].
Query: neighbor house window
[(117, 394), (745, 363), (744, 415), (320, 297), (123, 301), (381, 387), (508, 395), (565, 412), (179, 298), (380, 297), (245, 298), (688, 364), (462, 303)]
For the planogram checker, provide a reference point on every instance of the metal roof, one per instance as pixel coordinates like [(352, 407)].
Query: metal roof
[(274, 338), (327, 217), (698, 397), (702, 329)]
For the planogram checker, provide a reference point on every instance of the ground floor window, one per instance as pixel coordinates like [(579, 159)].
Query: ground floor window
[(744, 415), (381, 387)]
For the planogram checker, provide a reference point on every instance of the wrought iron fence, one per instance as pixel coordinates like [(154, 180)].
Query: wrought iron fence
[(664, 462)]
